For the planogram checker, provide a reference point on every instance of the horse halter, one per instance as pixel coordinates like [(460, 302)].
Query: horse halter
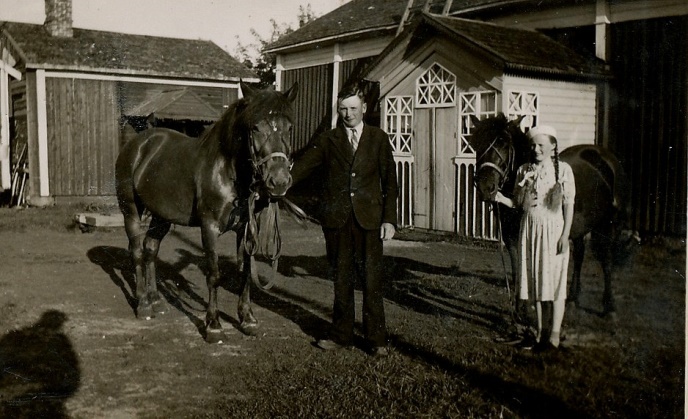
[(505, 166), (259, 163)]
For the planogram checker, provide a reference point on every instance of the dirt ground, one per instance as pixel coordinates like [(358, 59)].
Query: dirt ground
[(71, 346)]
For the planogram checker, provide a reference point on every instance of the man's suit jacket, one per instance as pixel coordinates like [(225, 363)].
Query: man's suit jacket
[(364, 182)]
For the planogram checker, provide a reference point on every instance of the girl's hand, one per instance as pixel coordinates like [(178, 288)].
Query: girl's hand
[(562, 245), (501, 199)]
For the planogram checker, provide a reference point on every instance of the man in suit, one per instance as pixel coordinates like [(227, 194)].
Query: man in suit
[(359, 211)]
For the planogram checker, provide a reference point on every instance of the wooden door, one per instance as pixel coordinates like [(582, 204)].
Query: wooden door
[(423, 168), (445, 145), (435, 184)]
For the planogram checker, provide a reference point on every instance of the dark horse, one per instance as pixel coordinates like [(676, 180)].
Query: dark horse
[(208, 182), (601, 197)]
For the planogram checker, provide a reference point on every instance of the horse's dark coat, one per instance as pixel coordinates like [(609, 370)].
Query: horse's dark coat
[(206, 183), (601, 195)]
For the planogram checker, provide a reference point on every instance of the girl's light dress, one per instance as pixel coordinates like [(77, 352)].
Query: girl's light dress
[(543, 272)]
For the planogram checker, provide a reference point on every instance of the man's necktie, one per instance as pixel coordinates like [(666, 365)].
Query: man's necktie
[(353, 138)]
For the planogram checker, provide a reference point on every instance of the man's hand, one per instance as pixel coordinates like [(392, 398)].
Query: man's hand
[(387, 231)]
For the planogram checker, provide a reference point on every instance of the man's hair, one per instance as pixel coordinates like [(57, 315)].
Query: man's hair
[(355, 89)]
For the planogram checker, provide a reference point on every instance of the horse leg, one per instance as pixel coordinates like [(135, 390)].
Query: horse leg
[(213, 327), (578, 256), (132, 226), (602, 246), (247, 321), (152, 303)]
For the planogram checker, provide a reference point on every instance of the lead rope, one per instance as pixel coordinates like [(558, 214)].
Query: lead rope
[(261, 234), (506, 274)]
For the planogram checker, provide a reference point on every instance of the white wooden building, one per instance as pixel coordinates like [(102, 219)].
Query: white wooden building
[(439, 73)]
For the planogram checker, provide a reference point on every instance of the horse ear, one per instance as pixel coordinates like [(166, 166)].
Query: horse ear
[(291, 93), (246, 90), (517, 122), (475, 120)]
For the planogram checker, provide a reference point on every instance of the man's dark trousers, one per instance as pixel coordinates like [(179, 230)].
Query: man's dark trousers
[(346, 248)]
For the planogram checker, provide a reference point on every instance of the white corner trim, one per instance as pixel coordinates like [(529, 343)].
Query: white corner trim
[(42, 119)]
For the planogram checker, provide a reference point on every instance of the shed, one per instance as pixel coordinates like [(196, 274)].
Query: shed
[(441, 71), (72, 95)]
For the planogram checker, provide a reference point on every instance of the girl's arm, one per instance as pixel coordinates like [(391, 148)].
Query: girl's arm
[(501, 199), (563, 243)]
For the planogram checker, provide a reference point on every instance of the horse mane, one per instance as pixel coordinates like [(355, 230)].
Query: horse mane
[(487, 130), (240, 117)]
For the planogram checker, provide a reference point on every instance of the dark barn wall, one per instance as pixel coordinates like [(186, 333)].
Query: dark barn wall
[(312, 112), (648, 119), (83, 136)]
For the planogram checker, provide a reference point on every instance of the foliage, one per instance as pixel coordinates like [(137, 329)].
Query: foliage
[(253, 54)]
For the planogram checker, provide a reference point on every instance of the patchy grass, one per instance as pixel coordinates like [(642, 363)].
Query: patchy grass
[(445, 306)]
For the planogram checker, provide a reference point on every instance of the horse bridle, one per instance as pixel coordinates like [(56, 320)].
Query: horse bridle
[(508, 162)]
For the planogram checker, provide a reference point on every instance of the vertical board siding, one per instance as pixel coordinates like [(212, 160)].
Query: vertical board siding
[(312, 113), (648, 119), (83, 136)]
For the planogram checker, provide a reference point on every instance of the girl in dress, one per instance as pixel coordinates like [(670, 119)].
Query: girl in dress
[(545, 190)]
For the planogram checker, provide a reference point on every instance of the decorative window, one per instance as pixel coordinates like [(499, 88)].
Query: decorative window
[(478, 104), (399, 123), (526, 104), (436, 88)]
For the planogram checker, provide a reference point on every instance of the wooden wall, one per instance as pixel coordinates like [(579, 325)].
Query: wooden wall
[(83, 136), (569, 107), (312, 113), (648, 119)]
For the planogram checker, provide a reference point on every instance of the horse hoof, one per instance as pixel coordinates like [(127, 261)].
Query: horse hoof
[(611, 316), (214, 336), (159, 307), (249, 328), (145, 312)]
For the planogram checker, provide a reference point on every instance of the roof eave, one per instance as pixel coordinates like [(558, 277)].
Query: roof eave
[(530, 69), (482, 7), (132, 72), (328, 39)]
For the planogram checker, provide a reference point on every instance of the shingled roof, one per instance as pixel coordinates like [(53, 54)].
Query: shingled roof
[(110, 52), (366, 17), (519, 49)]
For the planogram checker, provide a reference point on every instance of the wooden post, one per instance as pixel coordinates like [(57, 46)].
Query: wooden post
[(6, 70), (447, 7), (405, 16)]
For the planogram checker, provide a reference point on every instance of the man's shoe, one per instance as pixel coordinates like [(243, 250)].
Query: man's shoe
[(328, 345), (380, 352), (544, 347), (527, 343)]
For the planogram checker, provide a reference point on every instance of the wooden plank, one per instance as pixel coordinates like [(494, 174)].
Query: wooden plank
[(422, 168), (446, 127)]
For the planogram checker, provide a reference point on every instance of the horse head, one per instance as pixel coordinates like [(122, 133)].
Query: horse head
[(499, 146), (265, 119)]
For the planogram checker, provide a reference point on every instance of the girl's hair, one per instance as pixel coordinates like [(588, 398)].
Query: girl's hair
[(555, 158)]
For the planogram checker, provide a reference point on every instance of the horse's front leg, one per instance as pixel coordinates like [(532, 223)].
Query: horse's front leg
[(578, 256), (151, 303), (247, 321), (602, 246), (213, 327)]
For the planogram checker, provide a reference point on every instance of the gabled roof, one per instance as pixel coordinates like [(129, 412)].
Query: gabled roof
[(518, 51), (367, 17), (110, 52), (351, 19), (176, 104)]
